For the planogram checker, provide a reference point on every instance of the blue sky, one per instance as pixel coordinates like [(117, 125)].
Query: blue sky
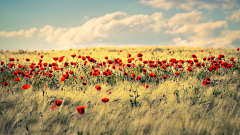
[(65, 24)]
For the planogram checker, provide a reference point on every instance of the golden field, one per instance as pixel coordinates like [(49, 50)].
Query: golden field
[(175, 105)]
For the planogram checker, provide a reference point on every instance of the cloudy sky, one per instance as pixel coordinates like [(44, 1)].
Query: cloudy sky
[(64, 24)]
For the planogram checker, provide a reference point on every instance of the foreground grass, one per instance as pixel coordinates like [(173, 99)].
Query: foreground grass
[(171, 106)]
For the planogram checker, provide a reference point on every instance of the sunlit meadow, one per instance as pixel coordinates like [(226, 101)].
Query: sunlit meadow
[(147, 90)]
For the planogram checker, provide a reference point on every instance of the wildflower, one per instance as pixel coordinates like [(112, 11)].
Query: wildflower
[(11, 59), (105, 100), (164, 77), (5, 84), (71, 72), (133, 75), (177, 73), (179, 66), (139, 55), (138, 78), (53, 107), (81, 109), (17, 79), (26, 86), (27, 59), (11, 65), (194, 56), (98, 87), (145, 86), (62, 79), (73, 55), (58, 102)]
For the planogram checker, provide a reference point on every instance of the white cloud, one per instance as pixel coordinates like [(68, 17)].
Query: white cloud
[(234, 15), (221, 42), (31, 32), (187, 18), (11, 33), (121, 26), (203, 30), (189, 5), (103, 27)]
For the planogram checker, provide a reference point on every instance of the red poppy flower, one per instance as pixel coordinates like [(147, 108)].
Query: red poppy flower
[(138, 78), (163, 67), (11, 65), (109, 92), (81, 109), (145, 86), (27, 59), (73, 55), (177, 73), (133, 75), (2, 62), (128, 55), (5, 84), (53, 107), (58, 102), (84, 83), (198, 65), (120, 51), (194, 56), (179, 66), (41, 56), (164, 77), (55, 58), (62, 79), (60, 59), (189, 69), (207, 79), (81, 77), (71, 72), (98, 87), (105, 100), (238, 49), (26, 86), (2, 69), (139, 55), (75, 77), (11, 59), (201, 50), (205, 82), (17, 79)]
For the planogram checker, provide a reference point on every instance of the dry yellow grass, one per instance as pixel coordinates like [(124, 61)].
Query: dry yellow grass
[(159, 110)]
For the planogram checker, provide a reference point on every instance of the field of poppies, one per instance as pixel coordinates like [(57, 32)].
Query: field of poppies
[(147, 90)]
